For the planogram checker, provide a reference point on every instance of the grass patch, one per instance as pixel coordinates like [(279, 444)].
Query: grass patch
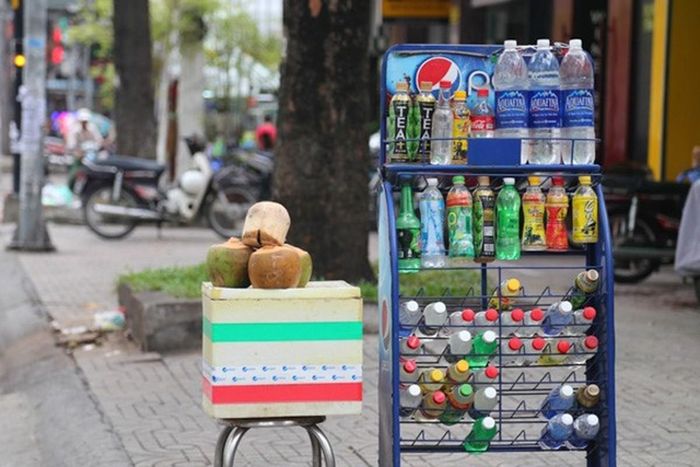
[(179, 281)]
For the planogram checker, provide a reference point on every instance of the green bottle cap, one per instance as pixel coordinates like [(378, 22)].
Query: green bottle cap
[(458, 179), (466, 390)]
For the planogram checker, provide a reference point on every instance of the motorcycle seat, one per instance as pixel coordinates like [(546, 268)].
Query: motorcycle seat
[(128, 163)]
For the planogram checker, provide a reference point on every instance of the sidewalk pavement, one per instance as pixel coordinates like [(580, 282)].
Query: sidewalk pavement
[(152, 401)]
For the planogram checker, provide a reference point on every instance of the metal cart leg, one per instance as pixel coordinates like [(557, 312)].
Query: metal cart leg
[(325, 445), (315, 449), (231, 445), (220, 443)]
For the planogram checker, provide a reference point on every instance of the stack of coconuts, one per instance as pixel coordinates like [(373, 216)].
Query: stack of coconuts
[(260, 258)]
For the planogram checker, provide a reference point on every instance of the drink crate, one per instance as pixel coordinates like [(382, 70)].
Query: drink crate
[(282, 352)]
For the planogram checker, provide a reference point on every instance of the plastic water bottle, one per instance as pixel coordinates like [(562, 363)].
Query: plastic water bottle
[(582, 321), (533, 350), (442, 127), (463, 319), (532, 323), (485, 400), (511, 351), (409, 313), (459, 345), (559, 400), (432, 214), (458, 372), (508, 221), (586, 428), (410, 398), (410, 345), (434, 318), (585, 348), (510, 82), (558, 317), (557, 430), (483, 347), (556, 352), (408, 372), (485, 320), (545, 117), (485, 377), (481, 118), (479, 439), (578, 105), (511, 321)]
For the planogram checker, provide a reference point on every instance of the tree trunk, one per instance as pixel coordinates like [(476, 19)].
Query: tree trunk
[(322, 162), (134, 108)]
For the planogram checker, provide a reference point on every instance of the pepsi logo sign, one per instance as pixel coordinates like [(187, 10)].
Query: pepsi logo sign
[(436, 69)]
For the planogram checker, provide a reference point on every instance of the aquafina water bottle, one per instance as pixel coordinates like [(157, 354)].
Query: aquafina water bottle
[(510, 82), (545, 116), (578, 103), (432, 220)]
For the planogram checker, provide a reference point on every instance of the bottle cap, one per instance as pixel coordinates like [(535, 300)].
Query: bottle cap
[(566, 391), (412, 306), (490, 392), (402, 86), (509, 181), (589, 313), (440, 307), (517, 315), (414, 390), (592, 419), (444, 84), (436, 375), (426, 86), (567, 419), (439, 397), (563, 346), (592, 390), (584, 179), (542, 43), (432, 182), (491, 372), (463, 336), (460, 95), (514, 344), (592, 275), (510, 44), (483, 92), (462, 366), (565, 306), (458, 179), (533, 180), (489, 337), (488, 423), (513, 285), (590, 342), (538, 344), (484, 180), (575, 44), (466, 390), (409, 366), (491, 315), (468, 314), (558, 181), (413, 342), (537, 314)]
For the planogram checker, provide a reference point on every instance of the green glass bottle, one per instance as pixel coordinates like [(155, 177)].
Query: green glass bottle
[(479, 439), (408, 230), (484, 346), (508, 221)]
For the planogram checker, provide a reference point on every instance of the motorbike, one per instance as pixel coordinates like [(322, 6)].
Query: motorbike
[(644, 218), (120, 192)]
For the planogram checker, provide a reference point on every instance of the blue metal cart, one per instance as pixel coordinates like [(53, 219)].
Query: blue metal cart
[(521, 389)]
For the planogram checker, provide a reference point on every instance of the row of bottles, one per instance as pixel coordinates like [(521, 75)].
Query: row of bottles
[(483, 227)]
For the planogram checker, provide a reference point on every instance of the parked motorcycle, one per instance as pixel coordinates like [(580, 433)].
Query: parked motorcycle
[(120, 192)]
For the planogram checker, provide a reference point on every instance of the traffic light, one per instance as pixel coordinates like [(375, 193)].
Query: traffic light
[(20, 60), (57, 52)]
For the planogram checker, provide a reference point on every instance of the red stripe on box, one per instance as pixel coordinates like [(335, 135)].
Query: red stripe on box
[(247, 394)]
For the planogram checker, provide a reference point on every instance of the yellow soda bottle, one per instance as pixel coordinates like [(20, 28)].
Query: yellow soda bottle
[(584, 213), (509, 290), (460, 128)]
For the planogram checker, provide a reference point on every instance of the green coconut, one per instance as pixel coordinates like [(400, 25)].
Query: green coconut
[(227, 264)]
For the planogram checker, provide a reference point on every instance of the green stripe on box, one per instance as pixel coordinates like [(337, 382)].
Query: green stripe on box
[(311, 331)]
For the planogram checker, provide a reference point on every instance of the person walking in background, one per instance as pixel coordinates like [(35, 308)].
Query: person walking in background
[(266, 134), (693, 173)]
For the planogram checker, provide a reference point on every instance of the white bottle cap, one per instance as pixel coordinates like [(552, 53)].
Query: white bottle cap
[(510, 44), (432, 182), (565, 307), (509, 181), (575, 44), (440, 307), (489, 337), (567, 419), (542, 43), (412, 306), (462, 336), (414, 390), (592, 419), (566, 391), (490, 393), (489, 423)]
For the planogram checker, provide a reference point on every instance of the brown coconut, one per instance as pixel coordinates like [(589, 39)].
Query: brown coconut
[(266, 224), (227, 264), (306, 264), (274, 267)]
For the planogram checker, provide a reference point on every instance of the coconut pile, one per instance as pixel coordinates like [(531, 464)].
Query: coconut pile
[(261, 258)]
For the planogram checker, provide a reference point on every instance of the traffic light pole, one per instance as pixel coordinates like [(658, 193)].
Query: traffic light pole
[(18, 26), (31, 233)]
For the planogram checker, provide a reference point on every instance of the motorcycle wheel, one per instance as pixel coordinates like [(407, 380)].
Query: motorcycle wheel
[(227, 210), (633, 270), (106, 226)]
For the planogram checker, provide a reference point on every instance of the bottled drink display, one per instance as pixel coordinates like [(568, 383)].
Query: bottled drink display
[(481, 117), (410, 398), (560, 399), (508, 290), (485, 400), (584, 206), (544, 119), (484, 222), (399, 109), (432, 214), (425, 107), (585, 284), (483, 347), (578, 100), (459, 223), (409, 313), (408, 232), (533, 217), (557, 430), (588, 396), (508, 221), (511, 82), (586, 428), (558, 317), (434, 317), (557, 205), (459, 345), (460, 128), (483, 431), (442, 127)]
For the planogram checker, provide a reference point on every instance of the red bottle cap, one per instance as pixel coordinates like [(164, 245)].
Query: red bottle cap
[(409, 366), (589, 313), (563, 346), (482, 92), (591, 342), (517, 314), (491, 372), (491, 315), (514, 344), (468, 314), (538, 343), (439, 397), (558, 181), (445, 84), (413, 342), (537, 314)]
